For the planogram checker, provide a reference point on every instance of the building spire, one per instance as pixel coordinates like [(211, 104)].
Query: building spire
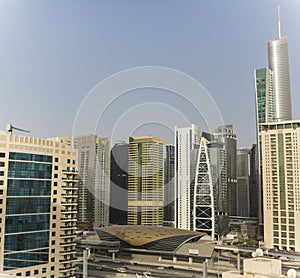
[(279, 26)]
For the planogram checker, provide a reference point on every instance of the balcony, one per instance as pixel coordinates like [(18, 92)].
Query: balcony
[(68, 219), (67, 243), (68, 235), (69, 203), (71, 171), (68, 211)]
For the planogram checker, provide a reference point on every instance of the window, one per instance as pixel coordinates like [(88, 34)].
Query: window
[(54, 216), (52, 251), (27, 273), (55, 192), (52, 268), (55, 176), (53, 233), (44, 270), (68, 161), (52, 260), (53, 225), (2, 154), (53, 242), (56, 159), (1, 173), (2, 164), (36, 271), (1, 191), (1, 182), (54, 208)]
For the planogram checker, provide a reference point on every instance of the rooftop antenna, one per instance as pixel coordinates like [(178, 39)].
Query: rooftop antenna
[(10, 128), (279, 26)]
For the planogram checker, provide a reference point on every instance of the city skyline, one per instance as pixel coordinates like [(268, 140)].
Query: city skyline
[(62, 55)]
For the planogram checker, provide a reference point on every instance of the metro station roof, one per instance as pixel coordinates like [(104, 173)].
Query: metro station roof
[(148, 237)]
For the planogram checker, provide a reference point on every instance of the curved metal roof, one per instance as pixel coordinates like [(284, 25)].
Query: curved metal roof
[(138, 236)]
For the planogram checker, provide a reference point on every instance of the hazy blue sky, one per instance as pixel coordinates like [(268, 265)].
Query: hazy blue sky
[(52, 53)]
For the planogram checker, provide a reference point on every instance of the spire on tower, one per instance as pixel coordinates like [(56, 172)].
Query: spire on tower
[(279, 26)]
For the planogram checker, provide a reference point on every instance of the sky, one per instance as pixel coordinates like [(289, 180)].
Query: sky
[(120, 68)]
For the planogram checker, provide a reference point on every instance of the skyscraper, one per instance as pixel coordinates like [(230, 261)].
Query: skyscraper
[(273, 96), (118, 186), (210, 210), (281, 186), (279, 64), (145, 181), (243, 182), (38, 204), (226, 135), (94, 188), (186, 140), (169, 185), (253, 181)]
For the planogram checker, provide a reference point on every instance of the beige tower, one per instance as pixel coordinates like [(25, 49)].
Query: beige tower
[(145, 181), (280, 144), (38, 206)]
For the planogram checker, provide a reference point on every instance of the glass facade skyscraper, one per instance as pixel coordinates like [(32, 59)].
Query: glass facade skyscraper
[(273, 97), (279, 64), (27, 216)]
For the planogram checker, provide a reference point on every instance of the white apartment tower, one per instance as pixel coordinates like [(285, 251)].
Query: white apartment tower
[(187, 140), (94, 188)]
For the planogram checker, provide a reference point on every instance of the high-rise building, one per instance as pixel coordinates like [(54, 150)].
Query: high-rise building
[(279, 64), (38, 205), (280, 143), (273, 96), (94, 187), (253, 181), (265, 99), (243, 182), (226, 135), (145, 181), (118, 184), (210, 213), (186, 140), (169, 185)]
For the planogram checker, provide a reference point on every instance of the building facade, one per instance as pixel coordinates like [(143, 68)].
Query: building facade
[(253, 181), (210, 210), (94, 187), (273, 97), (38, 204), (169, 185), (145, 181), (243, 182), (187, 139), (281, 187), (226, 135), (118, 184)]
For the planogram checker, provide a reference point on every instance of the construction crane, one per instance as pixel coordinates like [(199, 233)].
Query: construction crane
[(10, 128)]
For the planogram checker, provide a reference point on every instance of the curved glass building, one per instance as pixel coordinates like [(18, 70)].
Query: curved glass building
[(279, 64)]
